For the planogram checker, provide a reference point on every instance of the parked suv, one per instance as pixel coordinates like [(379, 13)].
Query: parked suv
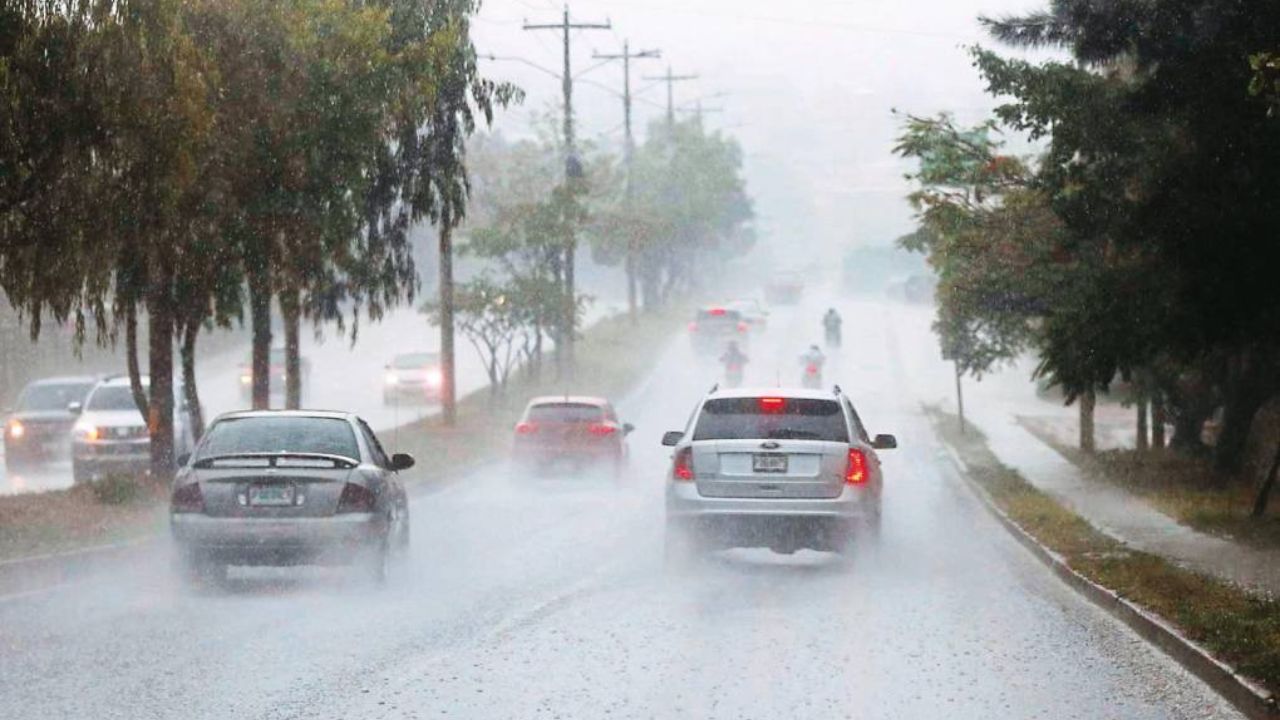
[(110, 434), (39, 426), (779, 468)]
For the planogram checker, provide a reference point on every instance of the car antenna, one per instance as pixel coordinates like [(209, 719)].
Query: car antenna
[(714, 388)]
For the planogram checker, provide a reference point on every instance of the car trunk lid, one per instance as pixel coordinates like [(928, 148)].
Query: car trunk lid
[(788, 469)]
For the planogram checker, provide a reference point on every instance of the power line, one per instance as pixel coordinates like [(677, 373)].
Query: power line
[(671, 79)]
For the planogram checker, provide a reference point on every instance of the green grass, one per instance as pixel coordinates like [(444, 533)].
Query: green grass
[(613, 356), (1186, 489), (1238, 627)]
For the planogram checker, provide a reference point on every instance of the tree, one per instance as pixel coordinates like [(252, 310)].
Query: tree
[(493, 317)]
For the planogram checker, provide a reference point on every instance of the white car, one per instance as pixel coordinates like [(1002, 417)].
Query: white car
[(110, 435), (752, 312), (779, 468)]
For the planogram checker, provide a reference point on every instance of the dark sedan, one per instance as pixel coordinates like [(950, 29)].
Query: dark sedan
[(39, 427), (290, 488)]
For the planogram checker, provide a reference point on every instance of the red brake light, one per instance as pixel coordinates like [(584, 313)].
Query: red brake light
[(693, 327), (772, 404), (356, 498), (601, 429), (683, 467), (742, 327), (526, 428), (716, 311), (856, 473), (187, 499)]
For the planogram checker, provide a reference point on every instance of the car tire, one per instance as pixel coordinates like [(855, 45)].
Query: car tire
[(377, 566), (80, 474), (200, 572), (679, 552)]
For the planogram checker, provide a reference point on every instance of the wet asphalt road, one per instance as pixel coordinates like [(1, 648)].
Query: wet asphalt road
[(547, 599)]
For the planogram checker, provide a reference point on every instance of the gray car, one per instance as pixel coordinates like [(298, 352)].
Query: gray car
[(779, 468), (280, 488)]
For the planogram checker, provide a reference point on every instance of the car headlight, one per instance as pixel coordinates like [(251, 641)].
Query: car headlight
[(84, 431), (16, 430), (245, 378), (435, 378), (393, 379)]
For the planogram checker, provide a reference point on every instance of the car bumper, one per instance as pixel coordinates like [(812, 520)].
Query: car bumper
[(104, 458), (819, 523), (278, 541), (419, 393), (547, 455)]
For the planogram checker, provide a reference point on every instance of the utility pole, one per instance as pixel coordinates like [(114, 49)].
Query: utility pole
[(671, 80), (628, 151), (572, 172)]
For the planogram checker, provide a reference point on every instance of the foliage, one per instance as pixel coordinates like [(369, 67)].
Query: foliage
[(494, 320), (117, 489)]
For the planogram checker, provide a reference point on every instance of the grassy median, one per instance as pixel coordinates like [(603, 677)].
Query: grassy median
[(1238, 627), (613, 356)]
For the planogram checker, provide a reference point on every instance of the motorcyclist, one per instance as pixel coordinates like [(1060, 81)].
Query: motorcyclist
[(812, 362), (733, 360), (831, 322)]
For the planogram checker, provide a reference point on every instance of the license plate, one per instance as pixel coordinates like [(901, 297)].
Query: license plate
[(271, 495), (769, 463)]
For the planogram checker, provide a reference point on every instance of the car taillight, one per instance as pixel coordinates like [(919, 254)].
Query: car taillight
[(356, 498), (187, 499), (601, 429), (772, 404), (526, 428), (693, 327), (716, 311), (856, 472), (682, 469), (742, 327)]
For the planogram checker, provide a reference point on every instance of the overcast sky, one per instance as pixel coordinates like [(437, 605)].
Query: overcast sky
[(808, 88)]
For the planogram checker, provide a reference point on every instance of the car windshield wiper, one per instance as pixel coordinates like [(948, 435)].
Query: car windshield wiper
[(273, 458)]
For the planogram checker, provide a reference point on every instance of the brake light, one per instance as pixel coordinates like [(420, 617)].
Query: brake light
[(716, 311), (693, 327), (682, 469), (601, 429), (526, 428), (356, 498), (856, 472), (187, 499), (772, 404), (742, 327)]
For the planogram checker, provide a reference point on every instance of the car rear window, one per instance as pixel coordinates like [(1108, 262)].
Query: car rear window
[(719, 315), (566, 413), (753, 418), (233, 436)]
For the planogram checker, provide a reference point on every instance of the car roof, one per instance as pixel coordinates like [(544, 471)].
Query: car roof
[(116, 380), (783, 392), (64, 380), (333, 414), (570, 399)]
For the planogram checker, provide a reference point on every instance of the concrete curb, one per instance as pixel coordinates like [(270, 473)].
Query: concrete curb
[(1247, 696)]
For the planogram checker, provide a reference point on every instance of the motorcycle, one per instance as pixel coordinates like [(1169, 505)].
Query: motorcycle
[(833, 337), (812, 376), (733, 374)]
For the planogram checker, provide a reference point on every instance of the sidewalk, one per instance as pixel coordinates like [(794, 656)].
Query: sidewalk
[(1121, 514)]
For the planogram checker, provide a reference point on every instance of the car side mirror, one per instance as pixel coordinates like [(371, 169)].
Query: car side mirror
[(672, 438), (183, 459), (75, 408), (884, 442), (401, 461), (628, 428)]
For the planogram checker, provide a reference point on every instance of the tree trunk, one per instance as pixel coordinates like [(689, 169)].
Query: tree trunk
[(1247, 391), (1144, 441), (1264, 493), (131, 359), (448, 366), (160, 313), (291, 314), (195, 414), (1088, 400), (959, 398), (260, 320), (1159, 417)]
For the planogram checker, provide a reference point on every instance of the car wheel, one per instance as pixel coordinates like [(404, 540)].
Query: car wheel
[(679, 553), (80, 474), (377, 565), (202, 572)]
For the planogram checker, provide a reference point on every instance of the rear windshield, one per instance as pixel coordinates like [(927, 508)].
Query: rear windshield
[(566, 413), (53, 397), (751, 419), (415, 360), (113, 397), (329, 436)]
